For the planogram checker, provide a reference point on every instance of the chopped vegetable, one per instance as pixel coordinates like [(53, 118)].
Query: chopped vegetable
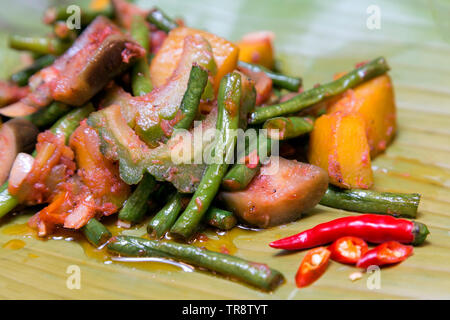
[(16, 135), (374, 101), (256, 47), (227, 120), (348, 249), (96, 232), (308, 98), (48, 115), (166, 60), (256, 274), (396, 204), (338, 144), (387, 253), (10, 93), (161, 20), (282, 128), (136, 206), (21, 77), (221, 219), (242, 172), (370, 227), (42, 45), (166, 217), (312, 267), (140, 75), (280, 80), (280, 193)]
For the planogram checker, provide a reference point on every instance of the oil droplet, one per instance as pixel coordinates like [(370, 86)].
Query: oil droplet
[(33, 256), (14, 244)]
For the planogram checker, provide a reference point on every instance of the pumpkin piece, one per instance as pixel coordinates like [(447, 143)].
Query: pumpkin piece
[(256, 47), (166, 60), (374, 101), (339, 145)]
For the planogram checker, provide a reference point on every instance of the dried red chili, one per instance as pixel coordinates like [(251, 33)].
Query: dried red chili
[(387, 253), (312, 267), (348, 249), (370, 227)]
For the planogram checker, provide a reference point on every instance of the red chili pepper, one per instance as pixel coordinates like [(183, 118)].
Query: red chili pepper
[(386, 253), (348, 250), (312, 267), (370, 227)]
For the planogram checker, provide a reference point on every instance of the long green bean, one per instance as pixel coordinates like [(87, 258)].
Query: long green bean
[(21, 77), (257, 274), (308, 98), (278, 79), (43, 45), (135, 207), (227, 123), (96, 233), (166, 217), (369, 201), (157, 17), (282, 128)]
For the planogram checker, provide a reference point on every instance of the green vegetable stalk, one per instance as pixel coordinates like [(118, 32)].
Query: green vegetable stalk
[(308, 98), (140, 74), (278, 79), (241, 173), (198, 78), (135, 207), (369, 201), (256, 274), (42, 45), (96, 233), (161, 20), (166, 217), (21, 77), (227, 123), (221, 219), (282, 128), (48, 115)]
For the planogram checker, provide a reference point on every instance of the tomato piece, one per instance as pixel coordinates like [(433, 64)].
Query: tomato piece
[(387, 253), (348, 249), (313, 266)]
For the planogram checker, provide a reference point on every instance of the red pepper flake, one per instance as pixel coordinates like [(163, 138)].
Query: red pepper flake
[(362, 63), (199, 203)]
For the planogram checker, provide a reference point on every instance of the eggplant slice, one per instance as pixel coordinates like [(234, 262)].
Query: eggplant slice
[(16, 135)]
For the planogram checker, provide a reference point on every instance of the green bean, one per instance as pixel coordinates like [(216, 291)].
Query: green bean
[(96, 233), (66, 125), (227, 123), (221, 219), (161, 20), (140, 74), (241, 174), (166, 217), (135, 207), (43, 45), (369, 201), (48, 115), (308, 98), (256, 274), (282, 128), (87, 15), (278, 79), (198, 79), (21, 77)]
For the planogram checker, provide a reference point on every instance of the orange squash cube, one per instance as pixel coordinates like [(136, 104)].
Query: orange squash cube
[(257, 47), (374, 101), (165, 61), (338, 144)]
